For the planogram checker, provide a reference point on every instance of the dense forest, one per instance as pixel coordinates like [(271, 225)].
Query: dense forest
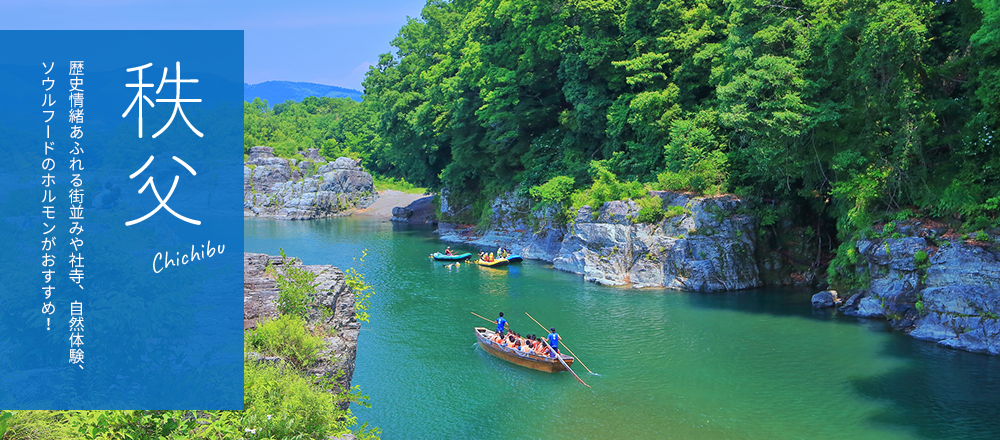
[(846, 113)]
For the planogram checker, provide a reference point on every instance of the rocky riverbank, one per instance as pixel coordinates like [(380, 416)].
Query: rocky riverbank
[(703, 244), (930, 283), (309, 188), (332, 310), (938, 287)]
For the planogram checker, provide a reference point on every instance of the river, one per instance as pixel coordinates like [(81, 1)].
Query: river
[(757, 364)]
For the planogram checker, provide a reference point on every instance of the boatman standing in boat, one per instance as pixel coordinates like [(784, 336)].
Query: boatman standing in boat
[(502, 325), (554, 341)]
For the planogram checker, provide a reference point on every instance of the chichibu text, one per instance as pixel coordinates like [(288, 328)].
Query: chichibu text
[(163, 260)]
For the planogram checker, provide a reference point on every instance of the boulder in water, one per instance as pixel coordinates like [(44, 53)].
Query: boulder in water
[(824, 299)]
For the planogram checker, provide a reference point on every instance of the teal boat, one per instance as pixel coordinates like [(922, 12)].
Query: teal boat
[(457, 257)]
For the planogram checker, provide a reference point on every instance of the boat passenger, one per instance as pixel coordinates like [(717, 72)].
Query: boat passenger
[(512, 342), (526, 346), (502, 325), (447, 251)]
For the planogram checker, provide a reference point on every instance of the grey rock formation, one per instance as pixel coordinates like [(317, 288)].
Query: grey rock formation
[(279, 188), (824, 299), (332, 310), (312, 154), (707, 248), (526, 232), (401, 214), (420, 211), (943, 290)]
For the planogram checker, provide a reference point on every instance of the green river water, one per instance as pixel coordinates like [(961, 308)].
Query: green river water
[(757, 364)]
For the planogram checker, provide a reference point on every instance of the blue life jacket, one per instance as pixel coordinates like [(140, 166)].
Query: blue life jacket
[(554, 340), (500, 324)]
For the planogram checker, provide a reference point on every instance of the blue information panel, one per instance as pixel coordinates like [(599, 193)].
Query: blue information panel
[(121, 218)]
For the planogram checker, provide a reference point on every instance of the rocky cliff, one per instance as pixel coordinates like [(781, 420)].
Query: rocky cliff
[(706, 246), (703, 244), (529, 233), (303, 189), (938, 288), (332, 309)]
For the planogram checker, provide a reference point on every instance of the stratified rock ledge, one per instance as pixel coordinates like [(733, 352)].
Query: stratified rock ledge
[(303, 189), (332, 309)]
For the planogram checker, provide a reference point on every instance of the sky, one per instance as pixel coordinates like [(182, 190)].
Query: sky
[(328, 42)]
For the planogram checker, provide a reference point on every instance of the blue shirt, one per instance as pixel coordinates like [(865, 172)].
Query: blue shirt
[(554, 340), (500, 324)]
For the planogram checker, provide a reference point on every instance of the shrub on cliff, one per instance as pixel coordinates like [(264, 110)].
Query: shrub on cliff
[(294, 286), (650, 210), (286, 337), (606, 188), (556, 192), (282, 404)]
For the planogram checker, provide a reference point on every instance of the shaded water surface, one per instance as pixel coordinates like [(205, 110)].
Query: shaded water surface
[(745, 365)]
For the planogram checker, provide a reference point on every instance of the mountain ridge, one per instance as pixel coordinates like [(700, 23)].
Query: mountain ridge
[(275, 92)]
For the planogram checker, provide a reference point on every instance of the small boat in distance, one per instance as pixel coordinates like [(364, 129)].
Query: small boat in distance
[(541, 363), (495, 263), (457, 257)]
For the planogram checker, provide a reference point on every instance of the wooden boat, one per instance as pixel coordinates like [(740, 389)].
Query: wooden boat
[(458, 257), (541, 363), (495, 263), (514, 258)]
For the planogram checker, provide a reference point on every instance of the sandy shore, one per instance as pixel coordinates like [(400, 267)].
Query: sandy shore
[(382, 208)]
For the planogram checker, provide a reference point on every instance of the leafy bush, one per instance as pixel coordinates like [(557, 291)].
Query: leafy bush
[(35, 425), (557, 190), (651, 210), (843, 270), (707, 176), (294, 289), (675, 211), (362, 290), (134, 424), (888, 229), (287, 337), (606, 188), (279, 402), (282, 404), (861, 194), (982, 236)]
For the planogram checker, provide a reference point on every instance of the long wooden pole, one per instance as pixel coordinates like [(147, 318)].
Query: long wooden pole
[(561, 361), (490, 320), (564, 345)]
